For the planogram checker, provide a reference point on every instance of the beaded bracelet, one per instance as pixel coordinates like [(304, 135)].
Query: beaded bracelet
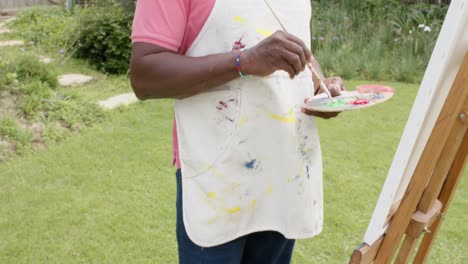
[(238, 62)]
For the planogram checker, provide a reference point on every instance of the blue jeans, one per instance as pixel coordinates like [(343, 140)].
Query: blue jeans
[(257, 248)]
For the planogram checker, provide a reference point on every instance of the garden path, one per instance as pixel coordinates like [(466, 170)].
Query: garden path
[(11, 43), (73, 79), (118, 100)]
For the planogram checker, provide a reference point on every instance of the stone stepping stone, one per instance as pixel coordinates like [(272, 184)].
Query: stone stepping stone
[(11, 43), (45, 59), (4, 21), (123, 99), (74, 79), (4, 31)]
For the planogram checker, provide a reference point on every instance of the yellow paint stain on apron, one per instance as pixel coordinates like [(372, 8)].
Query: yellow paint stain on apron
[(233, 210), (290, 119), (216, 172), (239, 19), (301, 168), (269, 191), (243, 120), (261, 31), (264, 32), (212, 220), (253, 203)]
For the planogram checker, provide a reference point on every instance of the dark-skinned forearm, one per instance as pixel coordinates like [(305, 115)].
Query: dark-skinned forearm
[(170, 75)]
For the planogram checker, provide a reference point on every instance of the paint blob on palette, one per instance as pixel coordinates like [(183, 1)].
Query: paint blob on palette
[(364, 96)]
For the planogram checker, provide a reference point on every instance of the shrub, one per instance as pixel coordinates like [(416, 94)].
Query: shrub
[(29, 68), (127, 4), (29, 89), (71, 112), (18, 70), (20, 137), (416, 29), (51, 27), (98, 33), (8, 127), (8, 78), (32, 97), (54, 133), (375, 39), (104, 38)]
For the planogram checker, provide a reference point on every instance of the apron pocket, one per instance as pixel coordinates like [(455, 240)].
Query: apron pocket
[(205, 126)]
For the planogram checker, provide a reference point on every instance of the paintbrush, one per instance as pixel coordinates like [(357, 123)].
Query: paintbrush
[(309, 65)]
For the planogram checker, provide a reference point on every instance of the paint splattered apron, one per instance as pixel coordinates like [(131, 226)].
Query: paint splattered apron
[(250, 160)]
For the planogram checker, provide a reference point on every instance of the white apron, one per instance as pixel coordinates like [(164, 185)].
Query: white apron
[(250, 159)]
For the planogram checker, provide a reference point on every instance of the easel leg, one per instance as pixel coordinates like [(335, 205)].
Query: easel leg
[(417, 227), (454, 104), (406, 250), (445, 197)]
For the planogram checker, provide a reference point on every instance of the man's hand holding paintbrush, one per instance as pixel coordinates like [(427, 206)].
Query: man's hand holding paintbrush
[(334, 86), (283, 51), (317, 75)]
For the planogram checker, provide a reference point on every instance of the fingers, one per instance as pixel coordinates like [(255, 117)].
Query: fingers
[(341, 83), (294, 50), (307, 53), (335, 85), (284, 65), (334, 90), (293, 60), (281, 51), (298, 51)]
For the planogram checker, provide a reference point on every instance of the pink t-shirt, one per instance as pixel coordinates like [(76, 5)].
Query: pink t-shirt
[(172, 24)]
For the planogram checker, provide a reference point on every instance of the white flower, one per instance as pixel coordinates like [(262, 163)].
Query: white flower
[(421, 25), (411, 31), (427, 28)]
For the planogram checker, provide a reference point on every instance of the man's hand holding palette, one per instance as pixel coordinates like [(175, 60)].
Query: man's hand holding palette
[(364, 96)]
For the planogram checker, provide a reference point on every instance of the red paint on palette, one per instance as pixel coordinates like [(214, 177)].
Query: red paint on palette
[(360, 102), (374, 88)]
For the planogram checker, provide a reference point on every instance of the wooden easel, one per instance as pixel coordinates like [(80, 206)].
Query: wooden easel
[(432, 185)]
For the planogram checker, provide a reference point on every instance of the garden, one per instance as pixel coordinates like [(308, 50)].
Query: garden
[(80, 182)]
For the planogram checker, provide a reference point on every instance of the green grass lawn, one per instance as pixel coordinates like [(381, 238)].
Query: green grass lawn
[(107, 195)]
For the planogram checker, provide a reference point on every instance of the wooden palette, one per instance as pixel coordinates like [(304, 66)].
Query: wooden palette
[(364, 96)]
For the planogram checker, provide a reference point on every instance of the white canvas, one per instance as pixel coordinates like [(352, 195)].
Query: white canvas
[(445, 62)]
